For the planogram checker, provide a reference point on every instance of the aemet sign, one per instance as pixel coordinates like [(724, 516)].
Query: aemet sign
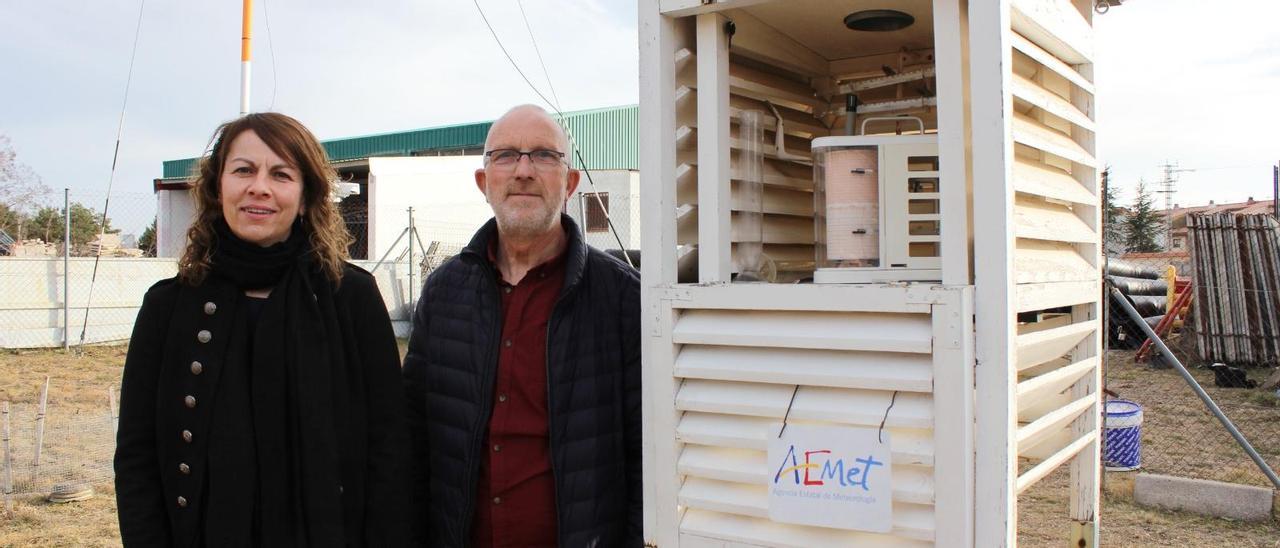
[(831, 477)]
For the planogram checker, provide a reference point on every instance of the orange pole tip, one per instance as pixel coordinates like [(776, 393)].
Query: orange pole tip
[(246, 32)]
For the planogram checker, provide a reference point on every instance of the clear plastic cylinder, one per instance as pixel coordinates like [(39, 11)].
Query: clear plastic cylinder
[(748, 201), (847, 203)]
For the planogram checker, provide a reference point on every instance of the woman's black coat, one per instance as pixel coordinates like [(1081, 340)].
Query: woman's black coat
[(168, 396)]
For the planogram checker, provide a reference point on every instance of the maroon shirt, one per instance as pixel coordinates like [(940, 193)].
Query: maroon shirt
[(515, 494)]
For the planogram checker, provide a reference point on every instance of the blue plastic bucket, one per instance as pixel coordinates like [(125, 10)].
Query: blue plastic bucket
[(1122, 441)]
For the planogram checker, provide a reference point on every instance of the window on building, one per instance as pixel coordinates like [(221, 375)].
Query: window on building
[(597, 220)]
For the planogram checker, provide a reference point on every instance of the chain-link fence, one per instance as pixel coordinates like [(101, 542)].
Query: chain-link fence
[(624, 214), (85, 288), (1215, 302), (58, 414)]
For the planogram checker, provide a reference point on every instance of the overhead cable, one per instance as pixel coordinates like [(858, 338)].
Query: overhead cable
[(563, 121)]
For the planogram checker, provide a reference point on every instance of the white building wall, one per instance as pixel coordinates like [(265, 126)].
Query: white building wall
[(447, 206), (623, 187), (175, 209), (31, 315)]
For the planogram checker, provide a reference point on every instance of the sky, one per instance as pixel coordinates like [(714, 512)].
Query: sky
[(1179, 80)]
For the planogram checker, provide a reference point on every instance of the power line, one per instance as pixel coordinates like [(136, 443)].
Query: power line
[(271, 48), (545, 74), (563, 122), (511, 60)]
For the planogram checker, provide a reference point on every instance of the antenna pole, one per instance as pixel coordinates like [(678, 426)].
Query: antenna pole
[(245, 55)]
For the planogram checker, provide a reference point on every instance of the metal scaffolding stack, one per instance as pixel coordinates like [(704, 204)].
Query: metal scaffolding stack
[(1236, 261)]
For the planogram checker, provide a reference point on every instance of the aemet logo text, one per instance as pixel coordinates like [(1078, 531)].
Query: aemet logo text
[(819, 468)]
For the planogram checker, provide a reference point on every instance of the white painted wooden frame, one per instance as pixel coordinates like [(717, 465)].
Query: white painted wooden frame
[(950, 41), (658, 44), (714, 203), (991, 114), (951, 315), (975, 147)]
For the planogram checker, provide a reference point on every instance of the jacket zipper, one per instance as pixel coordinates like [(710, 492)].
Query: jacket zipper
[(551, 433), (478, 443)]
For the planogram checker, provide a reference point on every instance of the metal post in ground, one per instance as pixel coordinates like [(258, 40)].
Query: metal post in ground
[(8, 457), (66, 270), (44, 405), (115, 415), (1275, 191), (412, 232)]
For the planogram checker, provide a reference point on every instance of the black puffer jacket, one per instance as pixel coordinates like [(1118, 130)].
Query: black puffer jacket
[(593, 372)]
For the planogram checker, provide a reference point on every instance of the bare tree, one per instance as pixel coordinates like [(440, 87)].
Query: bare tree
[(21, 191)]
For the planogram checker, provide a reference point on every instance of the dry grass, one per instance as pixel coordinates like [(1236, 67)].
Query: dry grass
[(1043, 520), (78, 445), (34, 522), (1179, 437)]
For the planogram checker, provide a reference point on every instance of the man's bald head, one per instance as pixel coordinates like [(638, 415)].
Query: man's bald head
[(529, 195), (526, 119)]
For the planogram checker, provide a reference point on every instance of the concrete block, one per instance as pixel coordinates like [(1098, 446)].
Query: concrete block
[(1205, 497)]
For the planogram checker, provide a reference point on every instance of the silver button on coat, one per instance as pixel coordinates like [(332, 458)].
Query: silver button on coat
[(197, 368), (182, 502), (210, 308), (190, 401), (186, 436), (182, 467), (204, 336)]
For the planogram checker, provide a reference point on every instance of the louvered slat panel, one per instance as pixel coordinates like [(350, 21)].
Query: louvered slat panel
[(1056, 26), (687, 139), (840, 405), (1041, 220), (820, 330), (794, 123), (777, 201), (756, 531), (910, 446), (909, 520), (774, 173), (912, 484), (1058, 458), (778, 229), (1050, 182), (1039, 55), (1040, 429), (1036, 135), (1055, 381), (1042, 296), (1048, 101), (1039, 261), (1030, 410), (867, 370), (1051, 444)]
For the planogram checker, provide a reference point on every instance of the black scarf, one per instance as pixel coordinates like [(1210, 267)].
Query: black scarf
[(296, 358)]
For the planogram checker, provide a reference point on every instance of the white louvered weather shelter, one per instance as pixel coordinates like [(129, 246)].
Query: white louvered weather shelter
[(983, 372)]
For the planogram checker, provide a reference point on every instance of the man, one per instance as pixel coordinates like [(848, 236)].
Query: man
[(523, 371)]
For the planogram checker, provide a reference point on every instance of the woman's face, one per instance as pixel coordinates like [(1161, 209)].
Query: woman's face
[(261, 194)]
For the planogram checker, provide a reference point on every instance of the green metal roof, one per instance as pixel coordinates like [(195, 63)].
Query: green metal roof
[(607, 138)]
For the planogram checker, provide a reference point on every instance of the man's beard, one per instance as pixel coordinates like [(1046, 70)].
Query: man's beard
[(526, 222)]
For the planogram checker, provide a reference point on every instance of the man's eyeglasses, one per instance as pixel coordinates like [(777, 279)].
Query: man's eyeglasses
[(541, 158)]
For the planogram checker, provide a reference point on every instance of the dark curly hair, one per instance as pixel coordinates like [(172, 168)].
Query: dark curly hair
[(293, 142)]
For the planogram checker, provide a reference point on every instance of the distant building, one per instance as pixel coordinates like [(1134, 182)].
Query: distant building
[(431, 170), (1178, 219)]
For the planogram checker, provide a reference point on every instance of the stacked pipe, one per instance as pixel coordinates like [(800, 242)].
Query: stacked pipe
[(1143, 288)]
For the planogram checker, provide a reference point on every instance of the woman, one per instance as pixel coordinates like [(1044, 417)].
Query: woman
[(261, 402)]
